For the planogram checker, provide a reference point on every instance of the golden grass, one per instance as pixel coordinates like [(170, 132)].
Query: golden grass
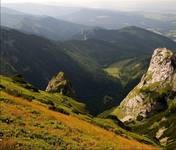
[(7, 144), (88, 135)]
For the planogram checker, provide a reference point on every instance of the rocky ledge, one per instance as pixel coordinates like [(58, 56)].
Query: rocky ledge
[(59, 84)]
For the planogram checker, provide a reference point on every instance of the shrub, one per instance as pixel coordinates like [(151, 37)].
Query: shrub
[(172, 106), (52, 107), (13, 92), (75, 111), (30, 87), (2, 87), (19, 78), (46, 101), (61, 110), (19, 94), (27, 97)]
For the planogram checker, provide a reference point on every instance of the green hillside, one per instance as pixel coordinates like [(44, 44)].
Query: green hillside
[(123, 54), (18, 87), (129, 71), (109, 46), (149, 109), (38, 59), (34, 119), (161, 125)]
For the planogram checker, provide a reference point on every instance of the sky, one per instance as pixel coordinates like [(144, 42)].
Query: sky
[(110, 4)]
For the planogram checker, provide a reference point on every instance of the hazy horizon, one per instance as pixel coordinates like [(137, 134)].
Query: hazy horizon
[(145, 5)]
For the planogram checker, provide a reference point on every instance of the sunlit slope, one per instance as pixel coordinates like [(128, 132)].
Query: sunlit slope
[(128, 70), (18, 87), (31, 125)]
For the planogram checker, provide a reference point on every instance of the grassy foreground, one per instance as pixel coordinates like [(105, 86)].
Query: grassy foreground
[(30, 125), (34, 119)]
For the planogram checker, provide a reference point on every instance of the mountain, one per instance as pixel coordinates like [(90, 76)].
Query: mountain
[(35, 119), (124, 53), (157, 22), (151, 106), (150, 94), (83, 61), (160, 22), (45, 26), (109, 46), (38, 59)]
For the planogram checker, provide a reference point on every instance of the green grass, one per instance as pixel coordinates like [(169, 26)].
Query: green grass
[(128, 70), (31, 125), (56, 100), (26, 111), (149, 127)]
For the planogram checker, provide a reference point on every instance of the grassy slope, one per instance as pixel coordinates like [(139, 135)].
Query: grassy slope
[(32, 125), (38, 59), (19, 88), (27, 117), (128, 69), (165, 119)]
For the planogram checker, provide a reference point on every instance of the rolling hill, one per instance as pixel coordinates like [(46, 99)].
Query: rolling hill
[(109, 46)]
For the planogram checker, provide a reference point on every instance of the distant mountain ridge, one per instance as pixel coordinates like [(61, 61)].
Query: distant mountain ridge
[(119, 44), (163, 22), (45, 26)]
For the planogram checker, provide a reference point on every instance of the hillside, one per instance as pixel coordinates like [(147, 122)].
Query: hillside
[(123, 54), (33, 119), (150, 107), (109, 46), (83, 61), (129, 71), (38, 59)]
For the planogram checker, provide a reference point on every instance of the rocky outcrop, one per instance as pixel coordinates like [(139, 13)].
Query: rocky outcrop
[(151, 94), (59, 84)]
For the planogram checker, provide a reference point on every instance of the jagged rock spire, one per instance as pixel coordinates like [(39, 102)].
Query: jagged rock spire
[(149, 96), (59, 84)]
